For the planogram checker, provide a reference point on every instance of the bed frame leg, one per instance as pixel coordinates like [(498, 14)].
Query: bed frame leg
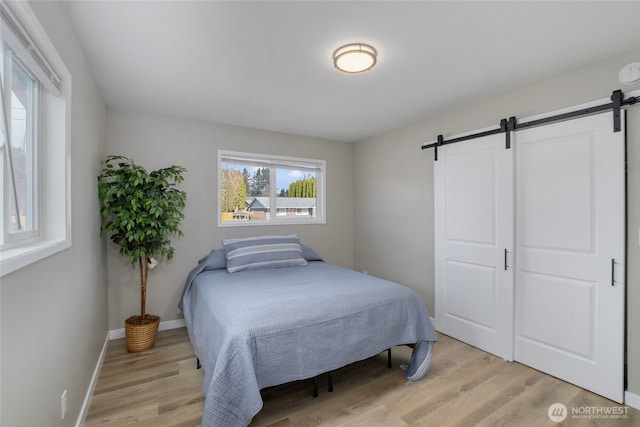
[(198, 365), (330, 376)]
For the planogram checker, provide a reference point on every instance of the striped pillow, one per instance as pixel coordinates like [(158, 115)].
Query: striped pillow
[(263, 252)]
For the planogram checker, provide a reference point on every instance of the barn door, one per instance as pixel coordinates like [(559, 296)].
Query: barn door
[(570, 223), (473, 243)]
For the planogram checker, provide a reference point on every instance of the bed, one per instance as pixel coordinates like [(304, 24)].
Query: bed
[(267, 316)]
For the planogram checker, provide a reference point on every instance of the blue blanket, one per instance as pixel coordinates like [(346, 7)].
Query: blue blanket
[(260, 328)]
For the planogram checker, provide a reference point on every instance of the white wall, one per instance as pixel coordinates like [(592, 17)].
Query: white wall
[(156, 141), (395, 240), (54, 312)]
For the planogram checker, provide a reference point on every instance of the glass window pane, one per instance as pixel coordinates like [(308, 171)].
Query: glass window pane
[(23, 186), (245, 192), (295, 194)]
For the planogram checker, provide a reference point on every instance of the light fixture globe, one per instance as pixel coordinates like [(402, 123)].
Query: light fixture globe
[(355, 58)]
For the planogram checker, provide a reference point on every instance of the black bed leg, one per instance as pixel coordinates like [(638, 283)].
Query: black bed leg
[(330, 388), (198, 365), (389, 358), (315, 386)]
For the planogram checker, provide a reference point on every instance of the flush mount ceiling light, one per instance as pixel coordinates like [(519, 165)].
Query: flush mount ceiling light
[(355, 58)]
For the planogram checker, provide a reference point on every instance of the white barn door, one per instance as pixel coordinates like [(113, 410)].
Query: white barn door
[(474, 226), (561, 308), (570, 223)]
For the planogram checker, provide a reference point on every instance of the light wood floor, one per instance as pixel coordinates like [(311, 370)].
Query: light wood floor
[(464, 387)]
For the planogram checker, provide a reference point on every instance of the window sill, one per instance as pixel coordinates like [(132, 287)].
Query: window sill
[(270, 223), (16, 258)]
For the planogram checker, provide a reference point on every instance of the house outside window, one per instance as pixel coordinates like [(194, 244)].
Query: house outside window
[(260, 189)]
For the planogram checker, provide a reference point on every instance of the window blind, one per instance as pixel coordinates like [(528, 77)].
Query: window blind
[(14, 34)]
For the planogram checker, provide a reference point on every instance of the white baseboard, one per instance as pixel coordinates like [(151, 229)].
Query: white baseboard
[(631, 399), (115, 334), (84, 410)]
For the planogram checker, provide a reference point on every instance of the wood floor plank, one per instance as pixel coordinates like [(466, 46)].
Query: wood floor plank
[(464, 387)]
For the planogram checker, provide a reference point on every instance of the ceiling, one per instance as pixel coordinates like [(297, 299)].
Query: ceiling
[(268, 65)]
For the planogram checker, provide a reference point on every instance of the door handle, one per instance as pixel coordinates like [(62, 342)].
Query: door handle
[(613, 272), (506, 252)]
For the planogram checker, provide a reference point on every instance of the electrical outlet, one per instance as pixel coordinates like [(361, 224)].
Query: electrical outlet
[(63, 404)]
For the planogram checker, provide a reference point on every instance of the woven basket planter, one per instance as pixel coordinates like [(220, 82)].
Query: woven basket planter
[(141, 333)]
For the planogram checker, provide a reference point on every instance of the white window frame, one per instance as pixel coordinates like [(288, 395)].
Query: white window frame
[(275, 162), (7, 238), (38, 53)]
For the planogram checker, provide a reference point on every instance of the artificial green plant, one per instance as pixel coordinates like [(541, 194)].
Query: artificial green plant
[(142, 211)]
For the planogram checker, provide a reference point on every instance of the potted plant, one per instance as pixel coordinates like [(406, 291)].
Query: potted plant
[(142, 211)]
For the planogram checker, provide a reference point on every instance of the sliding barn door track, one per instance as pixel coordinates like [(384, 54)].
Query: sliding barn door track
[(509, 125)]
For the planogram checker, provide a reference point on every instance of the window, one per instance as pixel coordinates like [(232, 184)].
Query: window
[(34, 142), (19, 151), (260, 189)]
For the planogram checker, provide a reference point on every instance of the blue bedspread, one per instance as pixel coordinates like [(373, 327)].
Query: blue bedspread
[(259, 328)]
